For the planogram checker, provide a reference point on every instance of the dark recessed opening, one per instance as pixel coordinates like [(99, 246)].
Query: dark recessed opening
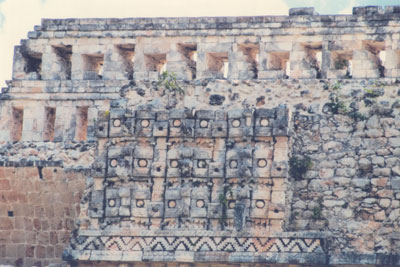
[(98, 170), (55, 170), (16, 128), (276, 210), (127, 53), (279, 169), (220, 129), (10, 213), (64, 55), (158, 169), (101, 128), (49, 123), (95, 209), (216, 170), (160, 128)]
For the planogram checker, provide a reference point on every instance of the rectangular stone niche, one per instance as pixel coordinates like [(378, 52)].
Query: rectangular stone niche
[(50, 119), (93, 66), (62, 67), (342, 63), (189, 53), (218, 64), (81, 123), (279, 63), (17, 123), (156, 63), (374, 59), (33, 65), (127, 53), (251, 52), (313, 53)]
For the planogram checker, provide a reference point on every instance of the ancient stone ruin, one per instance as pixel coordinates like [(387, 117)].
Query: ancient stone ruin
[(231, 141)]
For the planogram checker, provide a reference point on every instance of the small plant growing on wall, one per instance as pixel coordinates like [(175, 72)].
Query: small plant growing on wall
[(168, 81), (371, 93), (299, 166), (341, 64), (317, 213), (336, 106)]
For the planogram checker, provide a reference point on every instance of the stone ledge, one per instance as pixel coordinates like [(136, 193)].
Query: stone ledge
[(233, 257), (183, 233)]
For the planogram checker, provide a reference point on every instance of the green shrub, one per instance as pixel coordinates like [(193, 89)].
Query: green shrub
[(168, 81), (299, 166)]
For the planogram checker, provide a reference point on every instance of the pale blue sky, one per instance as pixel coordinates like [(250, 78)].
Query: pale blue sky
[(17, 17)]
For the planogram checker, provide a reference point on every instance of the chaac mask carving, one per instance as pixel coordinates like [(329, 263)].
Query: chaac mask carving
[(166, 177)]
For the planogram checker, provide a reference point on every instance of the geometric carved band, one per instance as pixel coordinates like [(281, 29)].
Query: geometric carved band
[(223, 244)]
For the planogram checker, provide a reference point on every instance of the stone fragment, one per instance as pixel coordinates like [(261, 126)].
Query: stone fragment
[(364, 164), (384, 202), (361, 183), (395, 182), (396, 170), (333, 203), (348, 162)]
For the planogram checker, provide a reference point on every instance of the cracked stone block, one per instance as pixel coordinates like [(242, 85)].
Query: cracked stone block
[(279, 169), (239, 163), (145, 120), (102, 124), (240, 123)]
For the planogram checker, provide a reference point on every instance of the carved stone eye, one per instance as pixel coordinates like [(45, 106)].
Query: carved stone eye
[(145, 123), (261, 163), (264, 122), (171, 204), (201, 164), (117, 123), (203, 124), (235, 123), (176, 123), (200, 203), (142, 163), (139, 203), (111, 203), (260, 204), (174, 163), (114, 163), (233, 164)]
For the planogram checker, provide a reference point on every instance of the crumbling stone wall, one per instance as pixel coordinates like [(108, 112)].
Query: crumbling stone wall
[(352, 188), (253, 97)]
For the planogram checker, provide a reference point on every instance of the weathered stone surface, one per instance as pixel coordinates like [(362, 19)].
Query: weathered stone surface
[(211, 166)]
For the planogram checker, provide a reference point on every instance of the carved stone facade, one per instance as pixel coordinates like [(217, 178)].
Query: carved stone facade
[(204, 141)]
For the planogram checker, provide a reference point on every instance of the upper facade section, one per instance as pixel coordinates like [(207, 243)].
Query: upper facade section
[(303, 45)]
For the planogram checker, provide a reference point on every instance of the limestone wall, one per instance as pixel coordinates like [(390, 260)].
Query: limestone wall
[(91, 117), (38, 209)]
